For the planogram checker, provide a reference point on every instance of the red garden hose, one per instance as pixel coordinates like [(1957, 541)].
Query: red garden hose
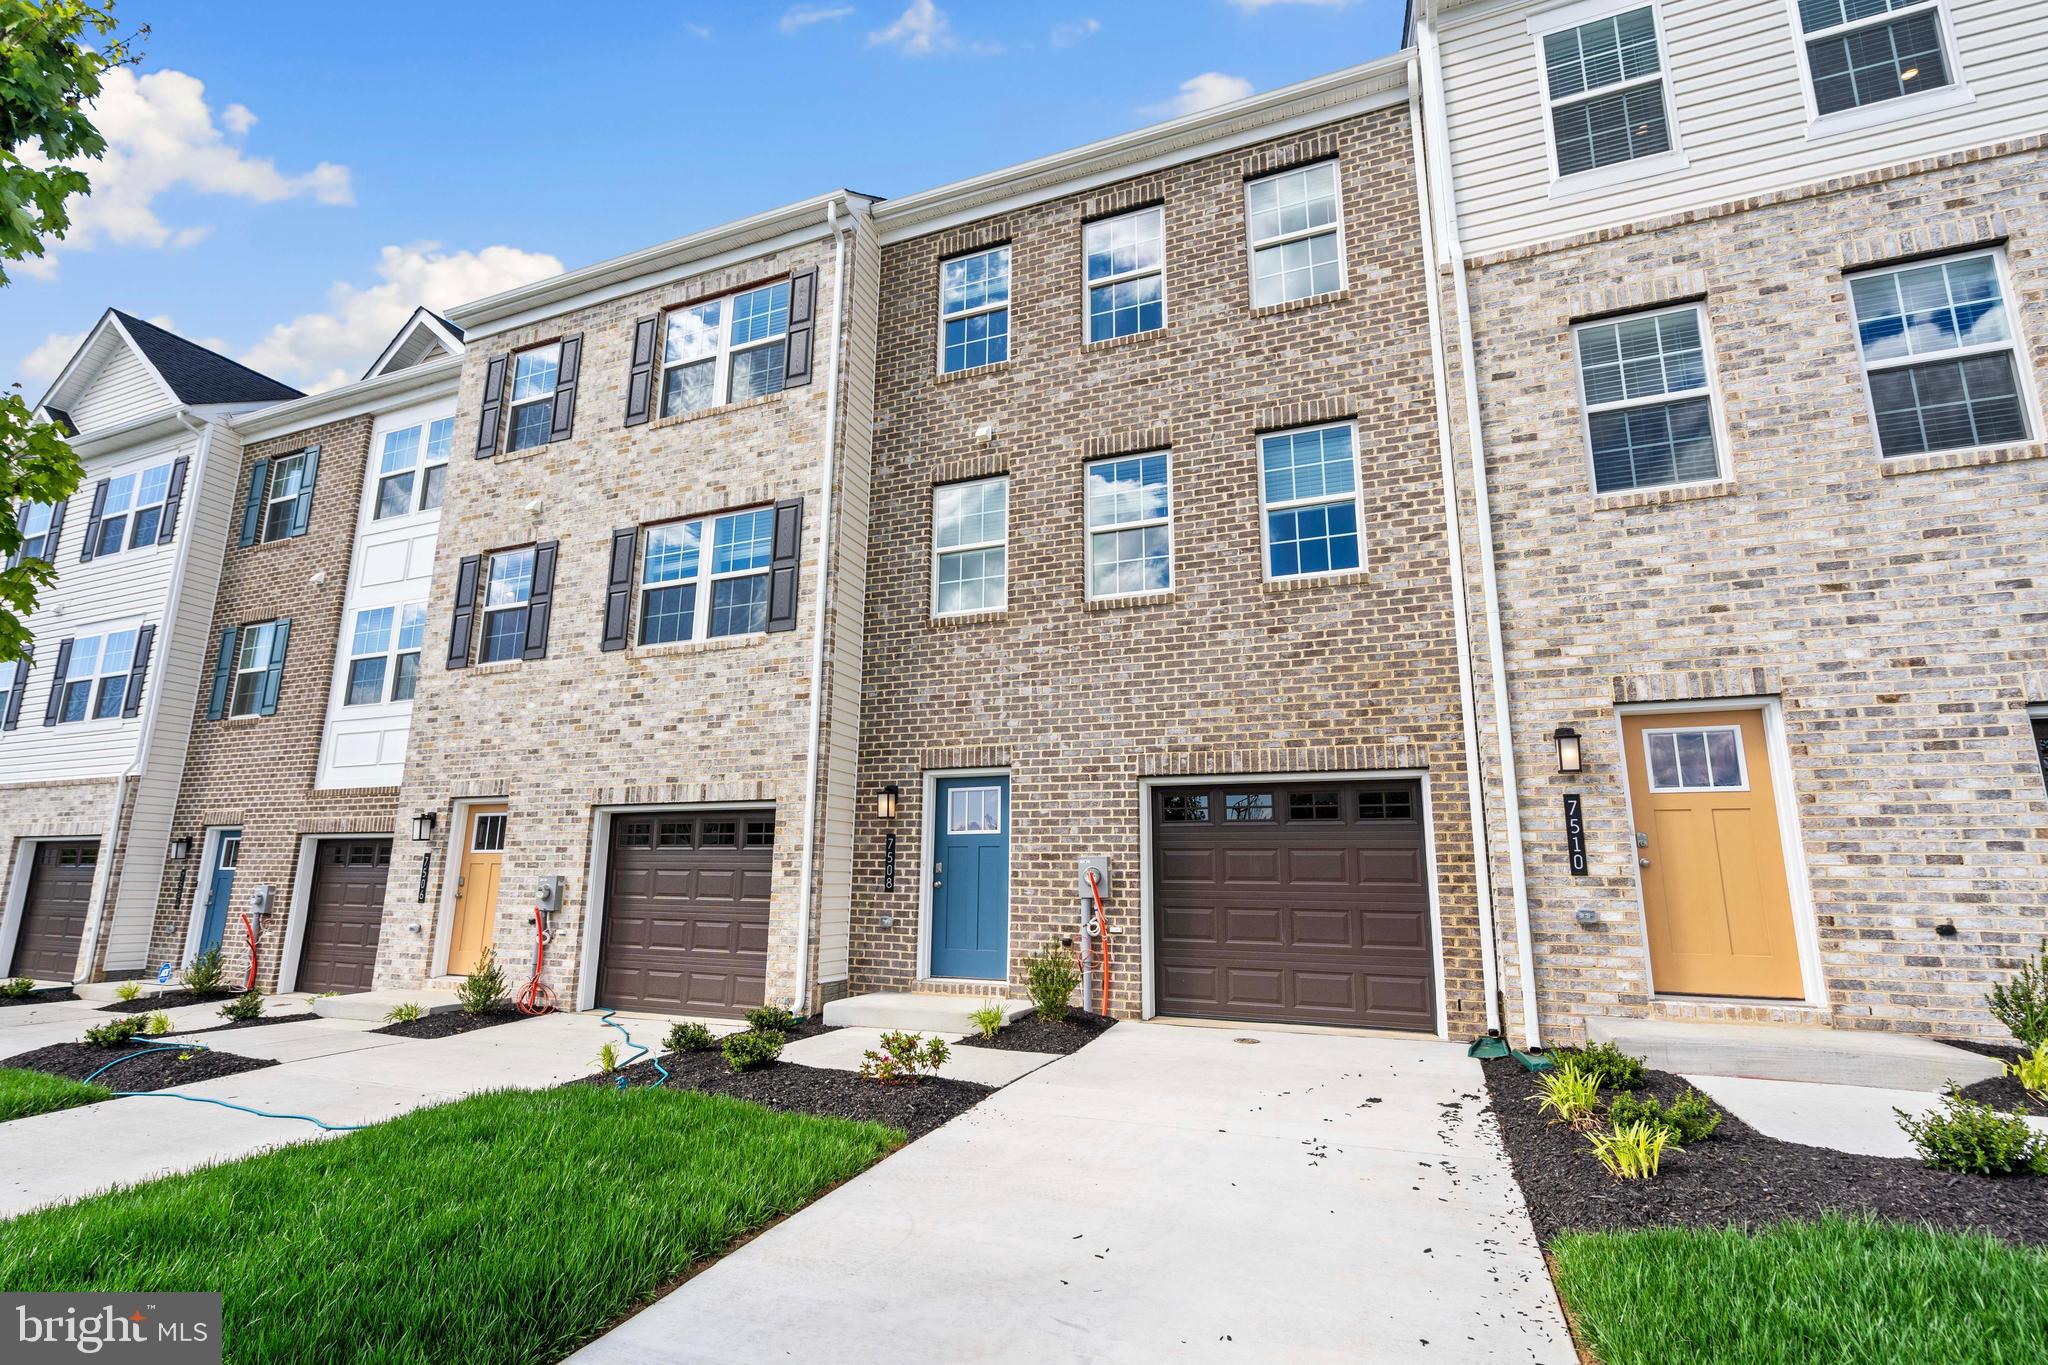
[(1101, 935), (250, 984), (537, 998)]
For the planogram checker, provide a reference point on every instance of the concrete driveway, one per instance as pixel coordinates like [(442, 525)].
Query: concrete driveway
[(1169, 1193)]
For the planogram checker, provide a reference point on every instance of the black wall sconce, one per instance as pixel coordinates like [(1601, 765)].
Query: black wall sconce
[(887, 801), (423, 827), (1570, 757), (180, 849)]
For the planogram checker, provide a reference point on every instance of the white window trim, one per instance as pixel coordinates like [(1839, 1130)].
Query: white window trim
[(1723, 457), (702, 583), (1954, 95), (1741, 757), (21, 514), (938, 554), (511, 408), (1252, 246), (1009, 333), (422, 463), (1288, 504), (271, 497), (1089, 530), (1088, 286), (262, 667), (100, 633), (954, 832), (390, 654), (476, 829), (134, 509), (721, 359), (1672, 158), (483, 587), (2030, 398)]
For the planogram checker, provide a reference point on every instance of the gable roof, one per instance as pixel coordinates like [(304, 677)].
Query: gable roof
[(426, 336), (196, 375)]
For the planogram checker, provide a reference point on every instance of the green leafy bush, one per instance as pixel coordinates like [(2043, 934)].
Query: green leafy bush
[(2021, 1004), (405, 1013), (1568, 1091), (2031, 1072), (1050, 978), (20, 988), (988, 1020), (156, 1024), (689, 1036), (115, 1032), (903, 1058), (127, 991), (1976, 1139), (770, 1019), (483, 988), (203, 973), (1633, 1151), (1691, 1117), (246, 1006), (754, 1048), (1613, 1068)]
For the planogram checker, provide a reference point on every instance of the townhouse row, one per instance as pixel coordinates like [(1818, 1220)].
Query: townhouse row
[(1540, 527)]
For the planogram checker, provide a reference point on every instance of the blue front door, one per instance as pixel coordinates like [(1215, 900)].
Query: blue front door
[(220, 891), (971, 878)]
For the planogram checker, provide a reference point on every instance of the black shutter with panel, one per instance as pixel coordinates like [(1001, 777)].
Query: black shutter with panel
[(12, 717), (462, 625), (252, 506), (273, 676), (174, 497), (56, 531), (565, 388), (494, 406), (640, 379), (138, 671), (618, 589), (92, 521), (302, 506), (803, 308), (782, 573), (540, 601), (223, 675), (57, 683)]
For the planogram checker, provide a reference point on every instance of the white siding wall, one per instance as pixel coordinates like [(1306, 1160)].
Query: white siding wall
[(124, 389), (1738, 103)]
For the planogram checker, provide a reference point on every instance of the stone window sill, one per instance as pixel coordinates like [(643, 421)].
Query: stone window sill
[(979, 371), (1296, 305), (711, 646), (969, 618), (1659, 497), (720, 410), (1157, 334), (1962, 459), (496, 666), (1308, 582), (1146, 599)]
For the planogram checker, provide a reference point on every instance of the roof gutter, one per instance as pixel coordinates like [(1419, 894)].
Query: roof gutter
[(349, 400)]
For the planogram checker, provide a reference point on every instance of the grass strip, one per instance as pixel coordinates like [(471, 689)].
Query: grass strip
[(507, 1227), (1837, 1290), (24, 1092)]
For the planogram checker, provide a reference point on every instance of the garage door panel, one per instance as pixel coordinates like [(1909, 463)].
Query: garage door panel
[(1393, 930), (1391, 866), (1251, 867), (1321, 929), (686, 913), (1396, 994), (1193, 866), (1328, 991), (1255, 988), (54, 911), (1247, 927), (344, 915), (1325, 866)]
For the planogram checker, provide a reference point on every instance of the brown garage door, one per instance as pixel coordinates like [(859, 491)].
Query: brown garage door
[(1303, 903), (53, 915), (339, 952), (686, 915)]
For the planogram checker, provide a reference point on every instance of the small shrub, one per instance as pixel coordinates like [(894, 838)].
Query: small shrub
[(771, 1019), (608, 1057), (2031, 1072), (754, 1048), (248, 1005), (483, 988), (156, 1025), (20, 988), (116, 1033), (988, 1020), (689, 1036), (1050, 977), (1975, 1139), (903, 1058), (1608, 1064), (2021, 1004), (1691, 1117), (203, 973), (405, 1013), (1633, 1151), (1569, 1092), (127, 991)]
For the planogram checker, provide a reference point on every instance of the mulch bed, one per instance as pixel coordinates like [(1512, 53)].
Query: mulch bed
[(2000, 1092), (243, 1023), (1740, 1177), (158, 1071), (167, 1000), (47, 995), (1035, 1034), (451, 1022), (916, 1109)]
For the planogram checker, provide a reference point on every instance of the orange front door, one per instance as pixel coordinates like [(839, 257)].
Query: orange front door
[(1711, 856), (476, 894)]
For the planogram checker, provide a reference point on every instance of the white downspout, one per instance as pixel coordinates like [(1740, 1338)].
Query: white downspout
[(1443, 187), (821, 608), (1475, 775)]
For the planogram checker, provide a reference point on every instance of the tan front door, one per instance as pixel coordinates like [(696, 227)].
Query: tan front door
[(1712, 859), (476, 895)]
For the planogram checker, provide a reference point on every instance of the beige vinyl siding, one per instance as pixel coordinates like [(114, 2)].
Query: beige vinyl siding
[(1734, 71), (125, 389)]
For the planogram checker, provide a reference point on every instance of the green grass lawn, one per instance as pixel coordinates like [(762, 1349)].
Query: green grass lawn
[(35, 1092), (1829, 1293), (506, 1227)]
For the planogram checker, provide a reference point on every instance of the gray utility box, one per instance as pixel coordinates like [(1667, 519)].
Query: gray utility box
[(1099, 865)]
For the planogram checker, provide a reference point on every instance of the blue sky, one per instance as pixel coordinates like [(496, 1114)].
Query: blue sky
[(290, 178)]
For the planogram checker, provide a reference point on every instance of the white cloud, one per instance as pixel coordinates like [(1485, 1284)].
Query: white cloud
[(162, 135), (1197, 93), (1254, 6), (919, 31), (320, 351), (1066, 35), (46, 361), (702, 31), (804, 16)]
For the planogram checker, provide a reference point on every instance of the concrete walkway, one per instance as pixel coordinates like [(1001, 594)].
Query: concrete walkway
[(1848, 1118), (1166, 1193)]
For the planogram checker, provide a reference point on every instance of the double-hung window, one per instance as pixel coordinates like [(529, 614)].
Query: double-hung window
[(1604, 83), (970, 546), (96, 677), (34, 520), (508, 595), (974, 310), (1297, 239), (1126, 263), (412, 469), (736, 346), (1309, 484), (132, 510), (255, 652), (287, 482), (1939, 355), (384, 654), (532, 399), (1649, 411), (1864, 52), (1130, 530), (13, 677), (725, 559)]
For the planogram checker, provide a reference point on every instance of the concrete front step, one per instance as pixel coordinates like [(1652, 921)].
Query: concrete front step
[(377, 1004), (1825, 1056), (918, 1012)]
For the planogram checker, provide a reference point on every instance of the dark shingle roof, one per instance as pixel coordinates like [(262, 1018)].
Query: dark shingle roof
[(198, 375), (444, 322)]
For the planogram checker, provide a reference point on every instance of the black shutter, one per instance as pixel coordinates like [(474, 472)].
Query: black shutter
[(302, 506), (138, 671), (803, 308), (565, 389), (640, 379), (12, 717), (463, 624), (494, 407), (540, 602), (782, 574), (252, 506), (167, 525), (56, 531), (273, 677), (618, 590), (92, 521), (57, 683), (223, 675)]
